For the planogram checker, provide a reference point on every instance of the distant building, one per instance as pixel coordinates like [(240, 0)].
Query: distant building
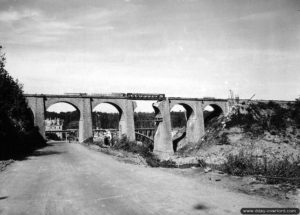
[(55, 124)]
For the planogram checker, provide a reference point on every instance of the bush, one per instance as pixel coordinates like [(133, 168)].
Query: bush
[(132, 146), (224, 140), (142, 150), (260, 117), (244, 164)]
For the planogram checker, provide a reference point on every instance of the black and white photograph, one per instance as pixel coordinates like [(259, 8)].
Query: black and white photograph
[(137, 107)]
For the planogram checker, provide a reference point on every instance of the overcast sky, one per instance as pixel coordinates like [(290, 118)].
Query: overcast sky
[(191, 48)]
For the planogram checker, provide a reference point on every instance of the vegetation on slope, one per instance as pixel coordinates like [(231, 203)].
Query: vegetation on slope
[(254, 139), (18, 135), (256, 118), (130, 149)]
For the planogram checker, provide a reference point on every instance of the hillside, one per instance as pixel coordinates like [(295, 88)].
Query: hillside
[(253, 139)]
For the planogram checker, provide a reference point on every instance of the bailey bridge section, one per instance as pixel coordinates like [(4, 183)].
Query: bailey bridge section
[(125, 104)]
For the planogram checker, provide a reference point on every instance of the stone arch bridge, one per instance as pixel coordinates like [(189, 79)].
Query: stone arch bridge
[(125, 103)]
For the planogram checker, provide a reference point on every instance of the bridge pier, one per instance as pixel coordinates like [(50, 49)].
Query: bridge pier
[(126, 124), (195, 124), (37, 106), (163, 145), (85, 121)]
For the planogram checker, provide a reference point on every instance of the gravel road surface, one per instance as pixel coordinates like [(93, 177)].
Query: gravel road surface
[(70, 179)]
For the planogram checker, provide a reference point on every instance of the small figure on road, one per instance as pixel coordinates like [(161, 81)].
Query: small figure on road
[(107, 137)]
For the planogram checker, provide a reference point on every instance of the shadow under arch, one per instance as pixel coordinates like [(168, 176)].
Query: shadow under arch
[(211, 112), (189, 112), (157, 116)]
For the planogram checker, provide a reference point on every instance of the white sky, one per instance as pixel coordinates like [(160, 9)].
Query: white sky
[(191, 48)]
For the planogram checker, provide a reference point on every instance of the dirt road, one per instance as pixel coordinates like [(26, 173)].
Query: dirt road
[(69, 179)]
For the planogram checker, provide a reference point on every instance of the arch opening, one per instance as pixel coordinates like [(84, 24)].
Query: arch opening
[(211, 114), (180, 115), (145, 122), (62, 122), (106, 122)]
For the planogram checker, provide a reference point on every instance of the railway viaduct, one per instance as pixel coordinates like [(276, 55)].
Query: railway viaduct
[(125, 104)]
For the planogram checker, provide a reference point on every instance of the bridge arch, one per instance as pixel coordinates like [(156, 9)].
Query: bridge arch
[(120, 107), (106, 116), (114, 104), (212, 111), (125, 109), (62, 121), (144, 122), (188, 107), (73, 102), (182, 115)]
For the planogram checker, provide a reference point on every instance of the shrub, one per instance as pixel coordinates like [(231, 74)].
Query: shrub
[(223, 139), (244, 164), (260, 117), (132, 146), (142, 150)]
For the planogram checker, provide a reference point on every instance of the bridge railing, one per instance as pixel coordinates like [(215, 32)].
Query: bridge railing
[(145, 135), (149, 132), (67, 135)]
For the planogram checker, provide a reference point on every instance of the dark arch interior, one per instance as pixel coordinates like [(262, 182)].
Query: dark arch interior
[(179, 120), (211, 113), (62, 121), (189, 110), (158, 116)]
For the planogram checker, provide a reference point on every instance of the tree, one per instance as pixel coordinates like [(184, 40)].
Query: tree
[(17, 133)]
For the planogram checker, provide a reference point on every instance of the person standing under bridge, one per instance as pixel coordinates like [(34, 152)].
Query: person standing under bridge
[(107, 138)]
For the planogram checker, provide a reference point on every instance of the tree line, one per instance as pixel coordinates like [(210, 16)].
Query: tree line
[(105, 120)]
